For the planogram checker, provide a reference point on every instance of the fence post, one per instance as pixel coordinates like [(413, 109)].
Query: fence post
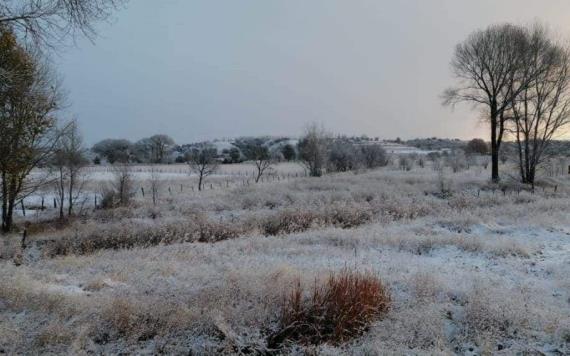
[(24, 235), (23, 207)]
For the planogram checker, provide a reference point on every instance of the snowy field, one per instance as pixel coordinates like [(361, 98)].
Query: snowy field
[(174, 179), (472, 269)]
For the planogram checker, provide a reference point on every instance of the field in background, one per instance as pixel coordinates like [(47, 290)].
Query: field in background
[(471, 267)]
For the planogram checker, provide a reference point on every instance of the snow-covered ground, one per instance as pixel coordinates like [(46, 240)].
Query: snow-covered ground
[(480, 271)]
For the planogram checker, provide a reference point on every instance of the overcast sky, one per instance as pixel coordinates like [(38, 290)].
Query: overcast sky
[(211, 69)]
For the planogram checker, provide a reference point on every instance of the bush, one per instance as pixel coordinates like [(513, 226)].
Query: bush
[(343, 157), (288, 222), (343, 308), (373, 156)]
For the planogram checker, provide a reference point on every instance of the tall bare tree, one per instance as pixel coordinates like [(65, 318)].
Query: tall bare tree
[(29, 99), (489, 67), (543, 108), (47, 22), (203, 162)]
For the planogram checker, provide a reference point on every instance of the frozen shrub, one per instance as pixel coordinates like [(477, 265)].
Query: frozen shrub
[(444, 190), (134, 320), (54, 333), (348, 216), (127, 234), (288, 222), (214, 232), (492, 316), (341, 309)]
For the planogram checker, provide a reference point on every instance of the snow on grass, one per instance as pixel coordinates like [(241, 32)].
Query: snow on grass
[(467, 274)]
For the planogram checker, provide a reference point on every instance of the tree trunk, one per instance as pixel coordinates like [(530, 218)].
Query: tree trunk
[(494, 156), (7, 217), (495, 141), (70, 194), (5, 228)]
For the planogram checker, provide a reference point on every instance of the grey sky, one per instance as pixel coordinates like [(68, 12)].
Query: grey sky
[(205, 69)]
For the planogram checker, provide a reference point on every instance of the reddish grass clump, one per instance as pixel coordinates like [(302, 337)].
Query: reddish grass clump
[(341, 309)]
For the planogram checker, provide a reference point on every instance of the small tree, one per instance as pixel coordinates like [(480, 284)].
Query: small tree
[(203, 162), (456, 160), (69, 159), (312, 149), (373, 156), (261, 157), (343, 157), (121, 190)]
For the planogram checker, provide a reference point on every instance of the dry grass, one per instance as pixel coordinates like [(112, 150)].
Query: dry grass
[(341, 309), (466, 273)]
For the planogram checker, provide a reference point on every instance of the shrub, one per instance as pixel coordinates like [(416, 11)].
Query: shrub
[(373, 156), (288, 222), (348, 216), (135, 320), (341, 309)]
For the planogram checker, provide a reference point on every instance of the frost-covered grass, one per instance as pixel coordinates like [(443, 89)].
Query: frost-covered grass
[(472, 272)]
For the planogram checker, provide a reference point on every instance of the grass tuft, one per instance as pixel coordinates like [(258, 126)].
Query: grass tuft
[(339, 310)]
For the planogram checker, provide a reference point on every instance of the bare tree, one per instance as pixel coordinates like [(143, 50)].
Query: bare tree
[(69, 159), (29, 99), (543, 108), (456, 160), (312, 149), (261, 157), (489, 68), (120, 191), (203, 162), (47, 22)]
